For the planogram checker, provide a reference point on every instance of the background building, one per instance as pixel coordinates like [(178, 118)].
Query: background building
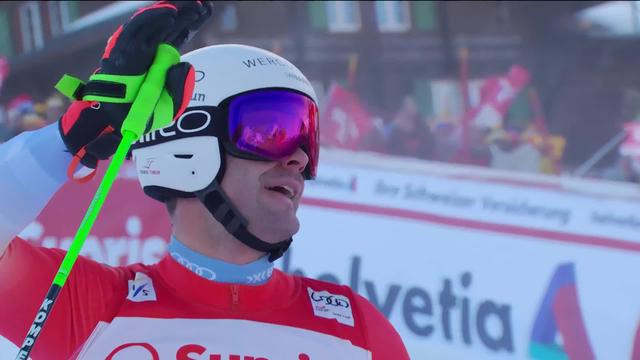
[(383, 51)]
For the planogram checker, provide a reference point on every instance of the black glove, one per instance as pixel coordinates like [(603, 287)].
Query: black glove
[(91, 129)]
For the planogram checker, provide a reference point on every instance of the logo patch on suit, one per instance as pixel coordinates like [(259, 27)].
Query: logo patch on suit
[(141, 288), (330, 306)]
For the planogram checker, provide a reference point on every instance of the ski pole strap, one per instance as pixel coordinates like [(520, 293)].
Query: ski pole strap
[(112, 88), (69, 86), (119, 89), (146, 92)]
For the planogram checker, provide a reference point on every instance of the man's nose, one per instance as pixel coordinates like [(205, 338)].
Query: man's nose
[(298, 160)]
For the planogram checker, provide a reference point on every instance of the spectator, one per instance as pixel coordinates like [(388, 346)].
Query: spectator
[(509, 152), (376, 138), (30, 121), (409, 134), (55, 106), (446, 140)]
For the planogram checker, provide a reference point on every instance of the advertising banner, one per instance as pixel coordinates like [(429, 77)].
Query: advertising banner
[(467, 263)]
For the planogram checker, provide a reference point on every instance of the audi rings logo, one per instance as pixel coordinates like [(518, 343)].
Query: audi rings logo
[(199, 75), (329, 300), (199, 270)]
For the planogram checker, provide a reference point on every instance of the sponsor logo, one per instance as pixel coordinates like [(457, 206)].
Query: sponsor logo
[(448, 312), (263, 61), (199, 75), (329, 299), (141, 288), (148, 162), (260, 277), (560, 314), (146, 167), (125, 350), (194, 120), (36, 327), (198, 97), (298, 78), (331, 306), (342, 183), (205, 272), (127, 246), (185, 352)]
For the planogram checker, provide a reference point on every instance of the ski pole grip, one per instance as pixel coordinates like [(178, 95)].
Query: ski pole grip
[(145, 102)]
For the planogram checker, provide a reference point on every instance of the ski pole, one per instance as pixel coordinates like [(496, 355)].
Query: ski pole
[(132, 129)]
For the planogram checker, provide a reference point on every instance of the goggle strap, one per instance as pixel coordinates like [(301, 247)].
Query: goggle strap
[(214, 199)]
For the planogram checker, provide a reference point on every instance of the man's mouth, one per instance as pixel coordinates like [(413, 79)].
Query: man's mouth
[(284, 190)]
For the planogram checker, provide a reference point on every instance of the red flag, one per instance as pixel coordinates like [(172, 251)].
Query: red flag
[(497, 95), (631, 145), (344, 121)]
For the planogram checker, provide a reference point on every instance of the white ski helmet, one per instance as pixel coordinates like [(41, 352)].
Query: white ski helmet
[(186, 158)]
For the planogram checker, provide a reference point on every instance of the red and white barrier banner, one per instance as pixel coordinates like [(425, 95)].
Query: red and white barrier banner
[(467, 263)]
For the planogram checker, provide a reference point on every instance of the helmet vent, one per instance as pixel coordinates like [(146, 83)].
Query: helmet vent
[(183, 156)]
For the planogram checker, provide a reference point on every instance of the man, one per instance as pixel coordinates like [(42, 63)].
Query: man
[(231, 171)]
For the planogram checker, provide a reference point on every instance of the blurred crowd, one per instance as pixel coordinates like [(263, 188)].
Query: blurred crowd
[(23, 113), (519, 144)]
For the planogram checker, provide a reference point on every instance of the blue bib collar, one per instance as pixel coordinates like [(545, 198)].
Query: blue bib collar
[(254, 273)]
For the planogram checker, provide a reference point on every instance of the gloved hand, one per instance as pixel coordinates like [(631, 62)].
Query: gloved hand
[(91, 129)]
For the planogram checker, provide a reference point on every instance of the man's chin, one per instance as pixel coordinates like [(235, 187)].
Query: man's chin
[(276, 232)]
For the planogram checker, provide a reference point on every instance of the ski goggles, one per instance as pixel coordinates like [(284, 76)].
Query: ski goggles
[(270, 125)]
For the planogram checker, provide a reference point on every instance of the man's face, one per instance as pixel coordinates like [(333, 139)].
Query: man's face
[(267, 193)]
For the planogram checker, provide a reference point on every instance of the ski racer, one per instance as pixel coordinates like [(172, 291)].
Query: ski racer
[(231, 172)]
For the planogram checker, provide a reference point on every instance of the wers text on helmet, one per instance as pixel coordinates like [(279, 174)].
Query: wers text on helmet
[(248, 103)]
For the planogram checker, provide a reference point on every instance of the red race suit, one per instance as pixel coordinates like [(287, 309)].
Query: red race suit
[(165, 311)]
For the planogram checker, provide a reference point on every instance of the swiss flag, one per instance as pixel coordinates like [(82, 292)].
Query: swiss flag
[(631, 145), (497, 94), (344, 121)]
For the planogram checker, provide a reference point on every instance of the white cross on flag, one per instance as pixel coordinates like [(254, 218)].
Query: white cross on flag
[(497, 93), (344, 120)]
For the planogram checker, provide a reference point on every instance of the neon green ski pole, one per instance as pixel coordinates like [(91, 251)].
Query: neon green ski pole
[(132, 129)]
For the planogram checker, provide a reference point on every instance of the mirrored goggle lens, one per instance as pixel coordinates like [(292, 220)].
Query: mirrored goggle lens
[(272, 124)]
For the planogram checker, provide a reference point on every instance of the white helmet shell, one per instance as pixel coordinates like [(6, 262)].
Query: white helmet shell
[(226, 70), (169, 162)]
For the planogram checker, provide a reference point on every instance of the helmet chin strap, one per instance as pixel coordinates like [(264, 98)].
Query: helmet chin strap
[(223, 210)]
